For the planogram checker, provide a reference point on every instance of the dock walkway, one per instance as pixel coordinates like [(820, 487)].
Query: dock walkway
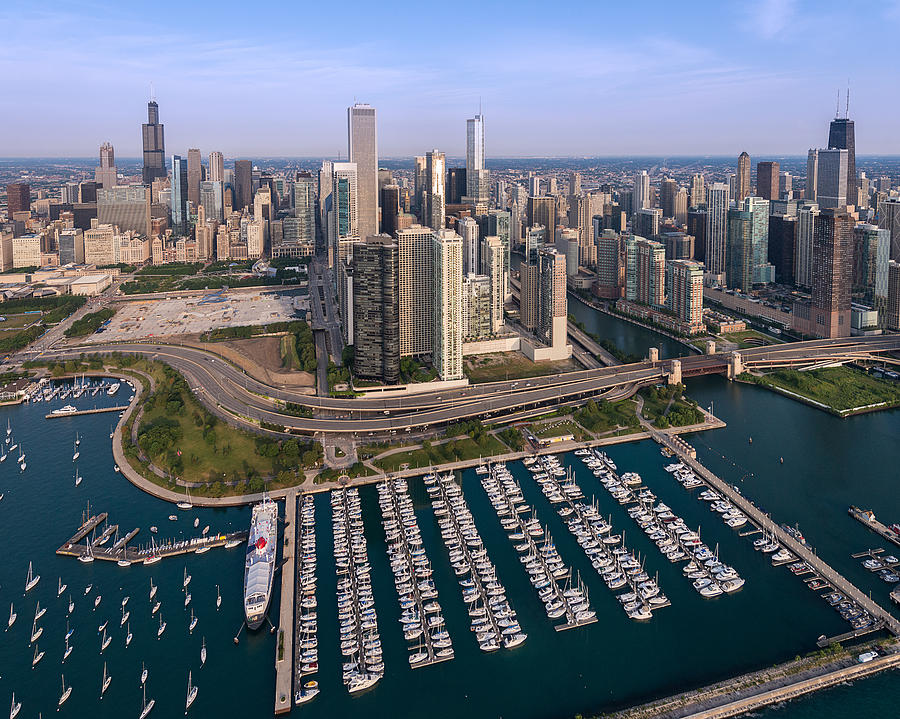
[(803, 552), (284, 647), (78, 412), (868, 519)]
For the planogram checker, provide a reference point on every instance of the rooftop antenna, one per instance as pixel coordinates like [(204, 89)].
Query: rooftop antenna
[(837, 104), (847, 115), (479, 105)]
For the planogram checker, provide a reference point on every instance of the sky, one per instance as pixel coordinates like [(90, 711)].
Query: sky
[(577, 78)]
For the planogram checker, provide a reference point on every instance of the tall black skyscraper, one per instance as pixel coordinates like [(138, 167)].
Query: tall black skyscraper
[(154, 145), (842, 136)]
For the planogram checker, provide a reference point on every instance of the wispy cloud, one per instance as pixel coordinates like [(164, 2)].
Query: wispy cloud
[(770, 18)]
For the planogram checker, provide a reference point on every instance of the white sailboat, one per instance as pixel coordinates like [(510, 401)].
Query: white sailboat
[(193, 623), (187, 579), (78, 477), (15, 707), (38, 655), (104, 642), (32, 579), (144, 673), (8, 430), (12, 616), (60, 587), (128, 635), (71, 605), (69, 632), (66, 692), (38, 612), (203, 652), (218, 597), (36, 632), (77, 439), (75, 454), (191, 694), (105, 683), (146, 706), (186, 503), (67, 651), (153, 589), (162, 627)]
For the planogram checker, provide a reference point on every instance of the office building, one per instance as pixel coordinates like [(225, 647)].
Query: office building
[(434, 193), (416, 290), (529, 292), (803, 249), (71, 247), (243, 194), (812, 175), (679, 245), (477, 183), (748, 245), (574, 184), (99, 245), (447, 357), (767, 180), (831, 189), (154, 144), (106, 175), (892, 312), (342, 223), (698, 190), (18, 198), (697, 220), (493, 265), (390, 209), (871, 252), (646, 222), (667, 189), (362, 141), (742, 179), (832, 273), (542, 211), (179, 208), (26, 251), (887, 217), (212, 200), (681, 207), (126, 206), (195, 176), (552, 326), (376, 309), (467, 228), (640, 195), (684, 291), (581, 219), (842, 136), (299, 231), (610, 265), (496, 223), (782, 244), (456, 186), (216, 167)]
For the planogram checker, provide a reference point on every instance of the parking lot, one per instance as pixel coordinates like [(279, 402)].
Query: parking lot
[(153, 318)]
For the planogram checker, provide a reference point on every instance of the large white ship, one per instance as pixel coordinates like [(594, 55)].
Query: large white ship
[(259, 567)]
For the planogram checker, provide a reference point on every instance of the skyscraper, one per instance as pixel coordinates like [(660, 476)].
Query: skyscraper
[(542, 211), (434, 192), (376, 309), (477, 184), (154, 143), (748, 245), (803, 248), (127, 206), (649, 272), (105, 175), (888, 218), (493, 262), (243, 172), (646, 222), (362, 142), (195, 176), (216, 167), (742, 179), (667, 189), (832, 180), (18, 198), (610, 265), (698, 190), (842, 136), (467, 228), (552, 321), (812, 175), (180, 219), (416, 290), (684, 290), (447, 345), (574, 184), (640, 195), (212, 200), (767, 179), (832, 273), (343, 224), (716, 227)]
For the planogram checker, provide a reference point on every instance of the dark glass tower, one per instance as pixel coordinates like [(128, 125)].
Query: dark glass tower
[(842, 136), (154, 145)]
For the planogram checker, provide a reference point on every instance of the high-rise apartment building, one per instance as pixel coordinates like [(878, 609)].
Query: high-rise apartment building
[(667, 189), (18, 198), (842, 136), (154, 144), (648, 275), (803, 248), (574, 184), (447, 344), (831, 190), (126, 206), (748, 245), (435, 196), (477, 182), (542, 211), (871, 252), (812, 175), (698, 190), (362, 142), (467, 228), (640, 195), (681, 207), (106, 175), (552, 324), (892, 311), (610, 264), (832, 273), (376, 309), (887, 217), (782, 244), (767, 179), (646, 222), (195, 176), (684, 290), (416, 290), (476, 307), (742, 179), (180, 216), (497, 223), (343, 228), (243, 174), (493, 265)]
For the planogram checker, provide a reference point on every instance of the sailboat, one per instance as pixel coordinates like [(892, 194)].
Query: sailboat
[(22, 464), (104, 642), (38, 612), (32, 579), (128, 635), (191, 694), (68, 650), (203, 652), (162, 627), (78, 477), (125, 616), (187, 579), (193, 622), (76, 454), (38, 655), (14, 708), (36, 632), (69, 632), (66, 691), (146, 706), (3, 454), (186, 503), (77, 439), (12, 616), (106, 680), (60, 587), (153, 589), (218, 597), (144, 672), (8, 430), (87, 557), (71, 605)]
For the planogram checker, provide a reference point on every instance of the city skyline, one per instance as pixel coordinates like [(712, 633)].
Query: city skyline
[(646, 93)]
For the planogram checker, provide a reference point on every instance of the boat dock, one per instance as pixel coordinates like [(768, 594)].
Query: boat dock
[(284, 647), (824, 641), (120, 551), (804, 552), (867, 517), (76, 413)]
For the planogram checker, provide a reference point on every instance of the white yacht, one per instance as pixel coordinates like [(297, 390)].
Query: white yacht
[(191, 694), (32, 579)]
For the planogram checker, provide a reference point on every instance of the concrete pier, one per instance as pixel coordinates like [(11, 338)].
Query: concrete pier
[(76, 413), (284, 647)]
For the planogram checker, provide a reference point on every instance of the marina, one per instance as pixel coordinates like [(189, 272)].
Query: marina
[(306, 642)]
